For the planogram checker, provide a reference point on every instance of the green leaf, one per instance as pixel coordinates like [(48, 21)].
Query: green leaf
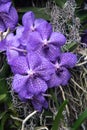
[(79, 121), (5, 117), (58, 116), (39, 12), (70, 47), (2, 122), (4, 71), (2, 97), (3, 87), (84, 27), (79, 2), (82, 15), (2, 114), (60, 3), (54, 98), (5, 92)]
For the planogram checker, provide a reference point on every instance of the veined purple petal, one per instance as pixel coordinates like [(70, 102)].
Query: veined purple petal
[(28, 19), (64, 76), (45, 30), (34, 60), (19, 31), (19, 83), (2, 26), (19, 35), (24, 36), (38, 22), (11, 54), (58, 39), (4, 1), (45, 69), (24, 95), (51, 52), (2, 45), (60, 78), (10, 37), (36, 85), (12, 41), (39, 102), (19, 65), (4, 8), (11, 18), (55, 81), (34, 41), (68, 59)]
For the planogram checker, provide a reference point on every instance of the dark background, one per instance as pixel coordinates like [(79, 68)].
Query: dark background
[(27, 3)]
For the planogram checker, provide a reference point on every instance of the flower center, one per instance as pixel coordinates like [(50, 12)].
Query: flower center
[(31, 72), (58, 70), (32, 28), (57, 65), (45, 41)]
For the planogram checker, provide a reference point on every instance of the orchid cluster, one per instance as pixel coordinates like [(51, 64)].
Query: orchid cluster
[(35, 57)]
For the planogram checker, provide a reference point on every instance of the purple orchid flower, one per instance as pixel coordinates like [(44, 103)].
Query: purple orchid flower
[(33, 23), (62, 64), (30, 23), (12, 46), (31, 75), (8, 15), (46, 41)]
